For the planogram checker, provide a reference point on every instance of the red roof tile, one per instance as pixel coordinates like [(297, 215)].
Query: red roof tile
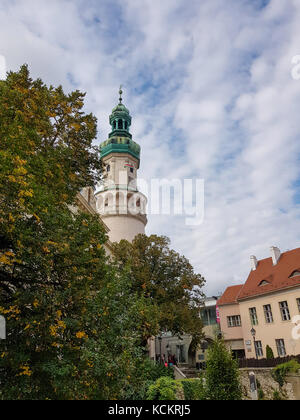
[(230, 295), (277, 276)]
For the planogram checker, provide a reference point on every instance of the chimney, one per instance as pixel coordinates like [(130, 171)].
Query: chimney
[(275, 254), (254, 262)]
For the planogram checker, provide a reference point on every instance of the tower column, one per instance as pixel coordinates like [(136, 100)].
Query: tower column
[(121, 205)]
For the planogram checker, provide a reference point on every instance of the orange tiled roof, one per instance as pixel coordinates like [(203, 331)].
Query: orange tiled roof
[(275, 277), (230, 295)]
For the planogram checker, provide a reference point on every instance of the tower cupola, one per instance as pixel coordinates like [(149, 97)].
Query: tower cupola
[(120, 139), (120, 119)]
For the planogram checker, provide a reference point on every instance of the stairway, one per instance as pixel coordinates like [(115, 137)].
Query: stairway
[(189, 371)]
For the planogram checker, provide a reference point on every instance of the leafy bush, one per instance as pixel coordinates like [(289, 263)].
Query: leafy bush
[(193, 389), (165, 388), (279, 372), (222, 374), (260, 393), (269, 352), (146, 373), (153, 371), (277, 396)]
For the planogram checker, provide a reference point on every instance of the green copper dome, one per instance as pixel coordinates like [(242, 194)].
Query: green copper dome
[(120, 108), (120, 139)]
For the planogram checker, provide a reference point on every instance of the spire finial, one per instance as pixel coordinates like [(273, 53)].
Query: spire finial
[(120, 92)]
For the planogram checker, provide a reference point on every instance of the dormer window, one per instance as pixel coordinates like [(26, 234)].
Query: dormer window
[(295, 274), (263, 283)]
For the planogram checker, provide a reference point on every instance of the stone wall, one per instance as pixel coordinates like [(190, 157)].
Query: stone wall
[(265, 382)]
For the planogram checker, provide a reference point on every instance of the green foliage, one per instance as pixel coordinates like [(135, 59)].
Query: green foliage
[(73, 319), (193, 389), (222, 375), (145, 374), (277, 396), (260, 393), (153, 371), (167, 280), (279, 372), (165, 388), (269, 352)]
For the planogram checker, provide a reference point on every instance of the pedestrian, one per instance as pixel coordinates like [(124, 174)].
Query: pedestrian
[(175, 360)]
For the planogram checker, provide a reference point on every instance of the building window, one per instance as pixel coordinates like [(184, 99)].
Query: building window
[(258, 349), (108, 168), (280, 347), (284, 309), (234, 321), (253, 316), (298, 303), (208, 316), (268, 314), (131, 170)]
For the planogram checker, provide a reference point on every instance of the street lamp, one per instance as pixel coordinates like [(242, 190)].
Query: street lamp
[(253, 333)]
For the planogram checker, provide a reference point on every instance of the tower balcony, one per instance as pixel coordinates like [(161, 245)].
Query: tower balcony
[(122, 202)]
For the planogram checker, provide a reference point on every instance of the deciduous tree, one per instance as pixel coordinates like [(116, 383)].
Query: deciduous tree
[(167, 280), (71, 316)]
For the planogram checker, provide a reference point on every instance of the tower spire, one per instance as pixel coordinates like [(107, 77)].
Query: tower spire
[(121, 93)]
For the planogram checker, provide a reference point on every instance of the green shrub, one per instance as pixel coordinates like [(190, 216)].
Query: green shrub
[(277, 396), (260, 394), (279, 372), (153, 371), (269, 352), (145, 375), (193, 389), (165, 388), (222, 374)]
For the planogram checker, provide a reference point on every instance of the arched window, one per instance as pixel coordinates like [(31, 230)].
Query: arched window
[(126, 125), (120, 124), (115, 125), (108, 168)]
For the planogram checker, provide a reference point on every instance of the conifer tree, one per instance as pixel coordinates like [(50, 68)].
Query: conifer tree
[(222, 375)]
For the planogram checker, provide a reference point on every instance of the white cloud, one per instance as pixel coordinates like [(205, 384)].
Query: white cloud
[(210, 90)]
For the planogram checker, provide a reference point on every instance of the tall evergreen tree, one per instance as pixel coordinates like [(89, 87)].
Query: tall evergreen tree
[(222, 375)]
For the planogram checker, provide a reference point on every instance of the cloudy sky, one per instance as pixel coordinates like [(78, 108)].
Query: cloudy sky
[(209, 85)]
